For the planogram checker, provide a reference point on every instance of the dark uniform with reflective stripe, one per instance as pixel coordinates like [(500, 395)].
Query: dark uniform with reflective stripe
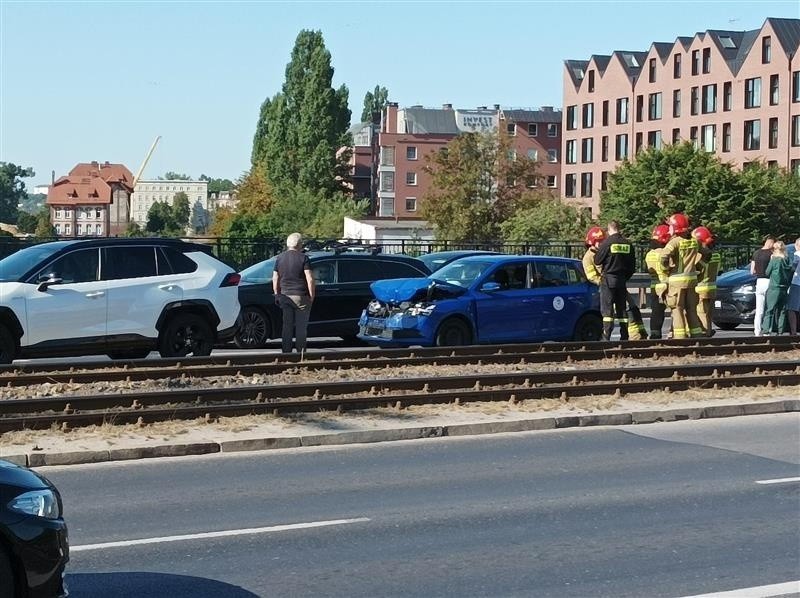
[(616, 259)]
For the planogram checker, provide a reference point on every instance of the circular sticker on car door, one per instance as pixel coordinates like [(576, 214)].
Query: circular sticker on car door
[(558, 303)]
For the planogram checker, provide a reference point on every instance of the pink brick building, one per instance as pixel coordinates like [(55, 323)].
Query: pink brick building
[(735, 93)]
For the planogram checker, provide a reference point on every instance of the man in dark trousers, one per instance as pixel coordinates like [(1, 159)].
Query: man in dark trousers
[(293, 285), (616, 259)]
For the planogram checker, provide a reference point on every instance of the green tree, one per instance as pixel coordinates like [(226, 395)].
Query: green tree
[(134, 230), (181, 210), (477, 182), (176, 176), (541, 216), (12, 190), (161, 219), (218, 185), (374, 101), (44, 228), (301, 129), (26, 223)]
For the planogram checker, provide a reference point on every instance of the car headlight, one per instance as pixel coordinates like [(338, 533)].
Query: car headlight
[(421, 310), (41, 503), (745, 289)]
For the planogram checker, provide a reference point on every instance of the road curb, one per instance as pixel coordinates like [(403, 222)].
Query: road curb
[(39, 459)]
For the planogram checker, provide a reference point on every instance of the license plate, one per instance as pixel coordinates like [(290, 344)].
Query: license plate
[(717, 303), (375, 323)]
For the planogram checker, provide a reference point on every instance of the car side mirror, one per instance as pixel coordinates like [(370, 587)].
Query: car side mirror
[(48, 279), (490, 287)]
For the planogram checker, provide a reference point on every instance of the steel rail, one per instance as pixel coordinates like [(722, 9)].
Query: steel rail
[(510, 354), (191, 403)]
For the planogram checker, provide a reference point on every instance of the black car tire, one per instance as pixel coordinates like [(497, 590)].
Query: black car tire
[(589, 327), (727, 325), (453, 333), (184, 334), (7, 345), (129, 354), (6, 575), (254, 329)]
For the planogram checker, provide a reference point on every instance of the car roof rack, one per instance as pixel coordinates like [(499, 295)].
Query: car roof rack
[(343, 246)]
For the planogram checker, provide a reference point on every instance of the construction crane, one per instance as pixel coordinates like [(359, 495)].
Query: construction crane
[(146, 160)]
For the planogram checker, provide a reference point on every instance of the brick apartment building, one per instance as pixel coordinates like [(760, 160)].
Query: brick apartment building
[(92, 200), (407, 135), (735, 93)]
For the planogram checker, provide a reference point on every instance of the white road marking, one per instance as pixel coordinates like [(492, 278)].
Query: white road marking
[(220, 534), (776, 589), (778, 481)]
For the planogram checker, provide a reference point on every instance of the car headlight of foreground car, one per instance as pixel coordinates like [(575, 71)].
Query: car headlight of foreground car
[(745, 289), (40, 503)]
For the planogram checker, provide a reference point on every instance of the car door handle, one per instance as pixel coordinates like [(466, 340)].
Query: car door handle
[(167, 287), (94, 294)]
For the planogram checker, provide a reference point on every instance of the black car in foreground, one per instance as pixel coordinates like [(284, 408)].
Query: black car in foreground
[(33, 536), (342, 280)]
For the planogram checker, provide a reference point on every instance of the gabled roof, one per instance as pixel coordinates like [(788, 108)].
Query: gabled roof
[(532, 116), (74, 190), (111, 173), (576, 70), (631, 61), (787, 32), (420, 121), (601, 60), (663, 49)]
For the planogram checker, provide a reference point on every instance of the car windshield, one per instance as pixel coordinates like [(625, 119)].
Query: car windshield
[(433, 261), (260, 272), (13, 267), (461, 273)]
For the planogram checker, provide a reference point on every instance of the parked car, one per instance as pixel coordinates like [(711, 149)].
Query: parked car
[(438, 259), (735, 302), (485, 299), (33, 536), (123, 297), (342, 279)]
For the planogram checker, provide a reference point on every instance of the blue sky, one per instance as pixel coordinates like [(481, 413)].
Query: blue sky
[(82, 81)]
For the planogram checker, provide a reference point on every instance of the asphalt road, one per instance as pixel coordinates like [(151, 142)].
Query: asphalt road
[(658, 510)]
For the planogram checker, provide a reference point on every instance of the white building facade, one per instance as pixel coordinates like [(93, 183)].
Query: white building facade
[(146, 193)]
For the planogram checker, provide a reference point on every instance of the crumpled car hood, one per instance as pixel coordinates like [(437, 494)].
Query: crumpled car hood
[(396, 290)]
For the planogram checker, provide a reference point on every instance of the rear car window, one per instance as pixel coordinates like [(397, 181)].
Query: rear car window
[(180, 263), (129, 262), (359, 271)]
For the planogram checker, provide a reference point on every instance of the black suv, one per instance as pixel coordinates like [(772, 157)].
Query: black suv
[(342, 277)]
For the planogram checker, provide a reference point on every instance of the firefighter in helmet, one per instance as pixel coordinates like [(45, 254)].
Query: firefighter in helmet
[(659, 276), (615, 257), (681, 256), (594, 236), (706, 278)]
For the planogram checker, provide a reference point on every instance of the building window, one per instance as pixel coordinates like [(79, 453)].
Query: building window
[(652, 70), (511, 129), (622, 111), (676, 135), (796, 86), (639, 108), (552, 156), (604, 180), (97, 213), (572, 152), (654, 106), (551, 181), (726, 137), (752, 92), (695, 62), (694, 107), (411, 178), (621, 147), (387, 155), (586, 184), (411, 152), (58, 229), (706, 60), (795, 167), (533, 154), (654, 139), (676, 103), (67, 213), (78, 229), (588, 116), (639, 142), (752, 134), (387, 182), (591, 81), (512, 155), (727, 96), (552, 129), (709, 98), (411, 204), (533, 129), (67, 229), (58, 213), (774, 90), (796, 131), (773, 133), (572, 118), (604, 148), (766, 49), (693, 137), (709, 138), (386, 206), (570, 182), (97, 229), (676, 66), (587, 150)]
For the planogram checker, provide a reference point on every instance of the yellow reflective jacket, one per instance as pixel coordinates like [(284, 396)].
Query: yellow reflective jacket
[(655, 267), (682, 258), (707, 277), (591, 270)]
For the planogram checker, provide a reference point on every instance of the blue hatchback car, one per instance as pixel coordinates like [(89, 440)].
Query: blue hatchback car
[(485, 299)]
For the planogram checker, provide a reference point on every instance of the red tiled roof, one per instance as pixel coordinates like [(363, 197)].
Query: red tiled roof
[(110, 173), (83, 190)]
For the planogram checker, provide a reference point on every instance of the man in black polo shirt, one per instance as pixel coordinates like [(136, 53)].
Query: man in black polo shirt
[(293, 285), (615, 257), (758, 268)]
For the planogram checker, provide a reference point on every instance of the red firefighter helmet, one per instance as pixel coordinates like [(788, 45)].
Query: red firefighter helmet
[(661, 234), (594, 236), (678, 224), (703, 235)]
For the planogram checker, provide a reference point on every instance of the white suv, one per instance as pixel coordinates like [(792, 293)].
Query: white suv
[(121, 297)]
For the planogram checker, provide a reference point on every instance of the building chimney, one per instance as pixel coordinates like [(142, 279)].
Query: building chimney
[(447, 106), (52, 177), (497, 106)]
